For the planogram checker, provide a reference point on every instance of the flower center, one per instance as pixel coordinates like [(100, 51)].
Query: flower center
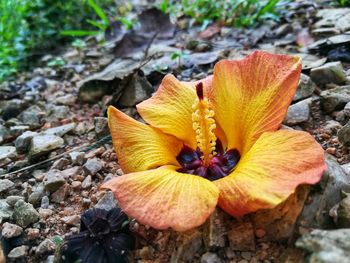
[(209, 160)]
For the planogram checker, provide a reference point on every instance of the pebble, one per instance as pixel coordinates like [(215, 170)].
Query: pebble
[(61, 194), (71, 220), (6, 211), (101, 126), (5, 185), (7, 152), (60, 164), (37, 194), (12, 199), (241, 236), (60, 130), (189, 244), (76, 185), (54, 180), (331, 72), (23, 141), (45, 213), (87, 182), (32, 233), (344, 135), (259, 233), (24, 214), (298, 112), (45, 202), (18, 252), (107, 201), (210, 258), (11, 230), (335, 99), (92, 166), (45, 247), (43, 144), (305, 88), (332, 126), (77, 158), (73, 172), (68, 99)]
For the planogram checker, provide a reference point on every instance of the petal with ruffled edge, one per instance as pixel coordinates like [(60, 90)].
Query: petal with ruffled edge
[(252, 95), (163, 198), (276, 164), (139, 146), (170, 108)]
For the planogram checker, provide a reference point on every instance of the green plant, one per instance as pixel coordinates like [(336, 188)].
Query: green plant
[(343, 2), (234, 12)]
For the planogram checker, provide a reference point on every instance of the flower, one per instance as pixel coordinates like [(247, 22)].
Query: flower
[(103, 238), (214, 142)]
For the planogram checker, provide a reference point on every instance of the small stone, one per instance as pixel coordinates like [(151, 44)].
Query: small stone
[(45, 213), (60, 164), (73, 172), (331, 72), (259, 233), (58, 112), (5, 185), (45, 202), (210, 258), (344, 135), (343, 213), (43, 144), (189, 244), (241, 236), (60, 130), (32, 233), (24, 214), (37, 194), (36, 83), (54, 180), (12, 199), (298, 112), (77, 158), (87, 182), (7, 152), (6, 211), (11, 230), (45, 247), (68, 99), (215, 231), (23, 141), (101, 127), (61, 194), (107, 202), (92, 166), (305, 89), (332, 126), (347, 109), (335, 99), (76, 185), (71, 220), (18, 252), (331, 150)]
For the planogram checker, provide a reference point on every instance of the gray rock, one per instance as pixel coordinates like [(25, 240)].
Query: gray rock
[(68, 99), (241, 236), (12, 199), (92, 166), (210, 258), (77, 158), (36, 83), (335, 99), (326, 246), (107, 202), (60, 164), (305, 89), (73, 220), (18, 130), (11, 108), (45, 202), (45, 247), (331, 72), (347, 109), (54, 180), (72, 172), (58, 112), (7, 152), (332, 126), (214, 234), (6, 211), (24, 214), (344, 134), (4, 132), (11, 230), (61, 194), (43, 144), (18, 252), (60, 130), (87, 182), (23, 141), (343, 213), (5, 185), (37, 194), (101, 126), (346, 168), (298, 112), (189, 244), (32, 116), (324, 196)]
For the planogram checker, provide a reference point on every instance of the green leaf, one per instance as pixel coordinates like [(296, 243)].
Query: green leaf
[(96, 24), (98, 10), (79, 33)]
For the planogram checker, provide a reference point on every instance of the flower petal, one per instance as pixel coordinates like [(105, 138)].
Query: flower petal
[(139, 146), (252, 95), (272, 169), (170, 108), (163, 198)]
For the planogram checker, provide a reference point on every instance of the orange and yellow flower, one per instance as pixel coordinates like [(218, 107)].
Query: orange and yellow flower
[(213, 142)]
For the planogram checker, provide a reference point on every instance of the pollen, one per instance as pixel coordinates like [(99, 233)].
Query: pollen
[(204, 125)]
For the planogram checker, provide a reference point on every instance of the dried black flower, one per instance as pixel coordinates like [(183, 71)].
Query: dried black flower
[(104, 238)]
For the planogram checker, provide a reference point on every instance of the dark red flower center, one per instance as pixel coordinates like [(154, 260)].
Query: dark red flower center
[(220, 165)]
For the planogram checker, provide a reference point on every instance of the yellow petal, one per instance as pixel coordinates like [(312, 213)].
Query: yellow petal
[(170, 108), (163, 198), (252, 95), (139, 146), (272, 169)]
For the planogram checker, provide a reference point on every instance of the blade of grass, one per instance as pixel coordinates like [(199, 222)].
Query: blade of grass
[(96, 24), (99, 11), (79, 33)]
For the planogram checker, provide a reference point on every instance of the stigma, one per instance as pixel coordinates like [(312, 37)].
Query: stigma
[(203, 124)]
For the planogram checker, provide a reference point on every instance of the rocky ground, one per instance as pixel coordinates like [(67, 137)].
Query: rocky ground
[(52, 117)]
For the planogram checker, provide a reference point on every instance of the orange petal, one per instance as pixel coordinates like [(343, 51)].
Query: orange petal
[(276, 164), (252, 95), (139, 146), (170, 108), (163, 198)]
